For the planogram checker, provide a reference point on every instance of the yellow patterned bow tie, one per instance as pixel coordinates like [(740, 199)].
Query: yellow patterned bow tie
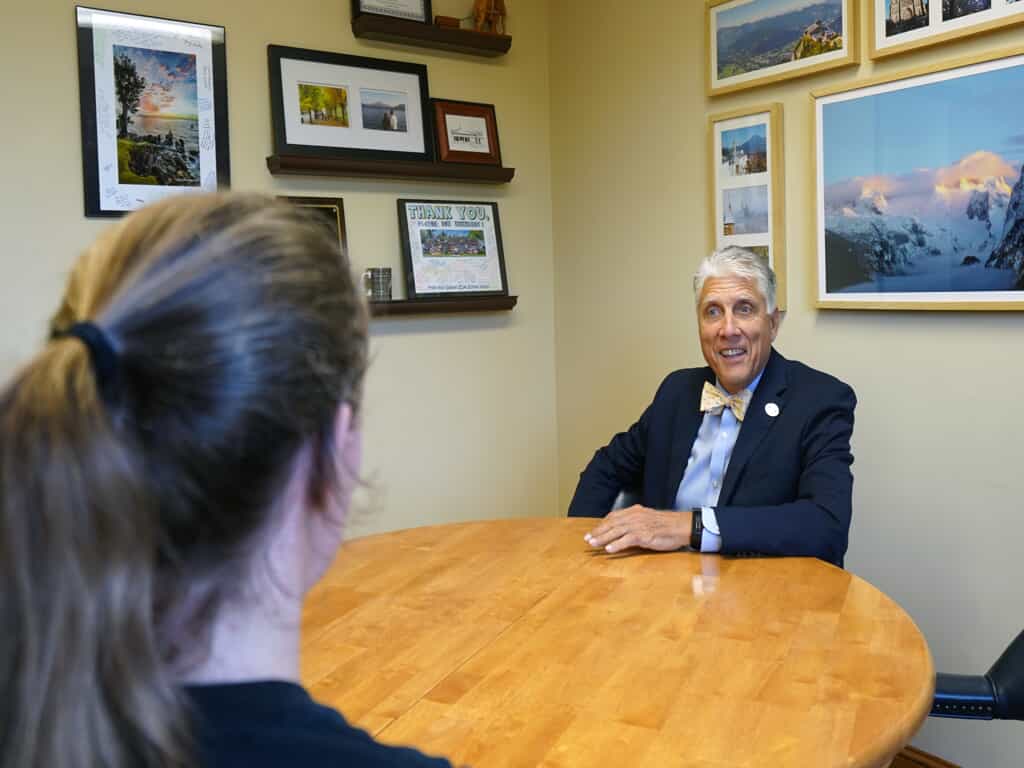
[(712, 398)]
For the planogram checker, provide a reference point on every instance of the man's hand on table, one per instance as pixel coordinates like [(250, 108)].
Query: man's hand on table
[(642, 527)]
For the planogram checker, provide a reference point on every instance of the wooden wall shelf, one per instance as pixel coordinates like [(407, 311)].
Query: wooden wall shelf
[(391, 30), (442, 306), (304, 165)]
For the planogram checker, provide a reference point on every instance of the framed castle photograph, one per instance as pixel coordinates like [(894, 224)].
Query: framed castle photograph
[(746, 169), (755, 42), (154, 109), (898, 26), (451, 248), (930, 218)]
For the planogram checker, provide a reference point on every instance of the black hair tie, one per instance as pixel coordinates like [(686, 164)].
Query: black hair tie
[(105, 362)]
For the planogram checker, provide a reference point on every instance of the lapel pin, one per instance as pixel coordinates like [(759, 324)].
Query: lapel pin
[(771, 409)]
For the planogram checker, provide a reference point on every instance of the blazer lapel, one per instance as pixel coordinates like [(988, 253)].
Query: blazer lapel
[(684, 432), (756, 423)]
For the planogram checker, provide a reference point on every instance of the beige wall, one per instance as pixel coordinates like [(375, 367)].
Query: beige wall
[(938, 486), (460, 412)]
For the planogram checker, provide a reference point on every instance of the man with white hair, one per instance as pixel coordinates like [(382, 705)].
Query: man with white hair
[(749, 455)]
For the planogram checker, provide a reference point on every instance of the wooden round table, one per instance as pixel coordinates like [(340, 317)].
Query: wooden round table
[(512, 643)]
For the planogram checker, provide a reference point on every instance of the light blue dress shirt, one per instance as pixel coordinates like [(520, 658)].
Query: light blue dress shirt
[(705, 469)]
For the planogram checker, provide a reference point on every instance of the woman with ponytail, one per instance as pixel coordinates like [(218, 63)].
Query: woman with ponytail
[(175, 468)]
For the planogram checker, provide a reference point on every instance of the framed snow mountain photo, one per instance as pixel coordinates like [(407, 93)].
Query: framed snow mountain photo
[(919, 188), (755, 42)]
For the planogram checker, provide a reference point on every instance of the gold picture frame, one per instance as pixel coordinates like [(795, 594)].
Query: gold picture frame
[(747, 172), (904, 224), (924, 24), (736, 61)]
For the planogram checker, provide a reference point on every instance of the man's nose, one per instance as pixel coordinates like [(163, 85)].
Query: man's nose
[(729, 327)]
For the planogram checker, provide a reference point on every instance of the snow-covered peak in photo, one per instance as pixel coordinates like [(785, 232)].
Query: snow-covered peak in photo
[(932, 226)]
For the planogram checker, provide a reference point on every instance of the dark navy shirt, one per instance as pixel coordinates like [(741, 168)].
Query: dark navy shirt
[(273, 723)]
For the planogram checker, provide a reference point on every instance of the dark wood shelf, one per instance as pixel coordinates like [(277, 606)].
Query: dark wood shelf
[(442, 306), (304, 165), (389, 30)]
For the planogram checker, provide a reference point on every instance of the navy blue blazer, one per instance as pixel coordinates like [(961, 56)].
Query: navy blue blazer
[(788, 487)]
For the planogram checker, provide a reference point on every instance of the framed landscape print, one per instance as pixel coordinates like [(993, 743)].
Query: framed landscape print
[(746, 168), (451, 249), (154, 109), (331, 210), (897, 26), (336, 105), (754, 42), (410, 10), (466, 132), (919, 191)]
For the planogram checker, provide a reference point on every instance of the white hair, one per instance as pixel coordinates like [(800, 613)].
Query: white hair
[(734, 261)]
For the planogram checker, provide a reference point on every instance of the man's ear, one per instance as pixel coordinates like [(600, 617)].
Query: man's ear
[(775, 320)]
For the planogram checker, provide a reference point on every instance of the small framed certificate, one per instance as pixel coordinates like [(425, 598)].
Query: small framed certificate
[(410, 10), (451, 248), (466, 132)]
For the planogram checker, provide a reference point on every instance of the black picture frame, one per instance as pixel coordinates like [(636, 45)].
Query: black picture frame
[(453, 215), (333, 211), (357, 10), (366, 143), (105, 168)]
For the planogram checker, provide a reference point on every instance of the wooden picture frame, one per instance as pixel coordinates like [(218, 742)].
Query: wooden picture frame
[(154, 109), (745, 151), (924, 23), (451, 249), (336, 105), (395, 9), (747, 49), (467, 132), (902, 223), (332, 209)]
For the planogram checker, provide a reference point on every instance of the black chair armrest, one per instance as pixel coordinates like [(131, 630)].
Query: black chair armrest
[(998, 695), (966, 697), (1007, 678)]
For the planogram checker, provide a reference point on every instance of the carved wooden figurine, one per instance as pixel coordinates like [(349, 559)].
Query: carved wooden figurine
[(489, 16)]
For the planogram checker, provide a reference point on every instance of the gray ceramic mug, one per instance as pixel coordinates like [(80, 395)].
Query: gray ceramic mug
[(377, 283)]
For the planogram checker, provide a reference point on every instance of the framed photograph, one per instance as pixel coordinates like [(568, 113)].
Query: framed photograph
[(331, 210), (897, 26), (930, 218), (154, 109), (746, 169), (466, 132), (755, 42), (451, 248), (410, 10), (336, 105)]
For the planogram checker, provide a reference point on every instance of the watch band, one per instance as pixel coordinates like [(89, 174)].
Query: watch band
[(696, 528)]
